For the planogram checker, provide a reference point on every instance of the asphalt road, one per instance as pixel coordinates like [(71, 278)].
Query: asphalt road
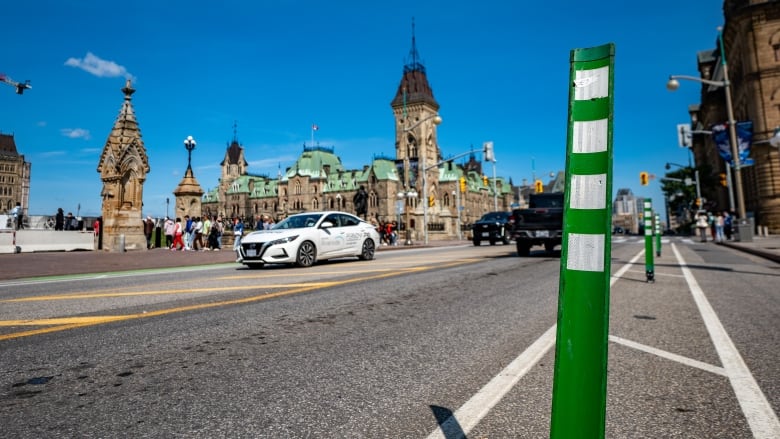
[(387, 348)]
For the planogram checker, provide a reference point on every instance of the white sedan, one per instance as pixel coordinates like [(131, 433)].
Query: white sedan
[(305, 238)]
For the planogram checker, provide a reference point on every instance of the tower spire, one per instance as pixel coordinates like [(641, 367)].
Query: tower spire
[(414, 63), (235, 131)]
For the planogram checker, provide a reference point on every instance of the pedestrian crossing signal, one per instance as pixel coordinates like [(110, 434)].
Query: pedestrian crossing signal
[(644, 179), (723, 181)]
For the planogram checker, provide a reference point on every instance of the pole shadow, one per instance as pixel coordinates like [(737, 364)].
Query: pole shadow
[(449, 426)]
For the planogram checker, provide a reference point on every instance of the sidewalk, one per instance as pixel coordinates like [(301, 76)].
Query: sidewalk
[(764, 246), (58, 263)]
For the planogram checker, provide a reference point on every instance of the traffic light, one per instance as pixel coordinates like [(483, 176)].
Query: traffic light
[(463, 184), (487, 152), (431, 201), (644, 179), (485, 180), (698, 202), (723, 181), (539, 186)]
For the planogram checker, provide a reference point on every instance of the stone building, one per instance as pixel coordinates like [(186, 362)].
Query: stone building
[(318, 180), (14, 176), (751, 43), (123, 167)]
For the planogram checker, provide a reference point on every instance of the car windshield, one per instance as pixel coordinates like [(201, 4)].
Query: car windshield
[(545, 201), (298, 221), (494, 216)]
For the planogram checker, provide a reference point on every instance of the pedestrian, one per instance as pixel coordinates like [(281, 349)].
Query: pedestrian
[(701, 225), (711, 222), (207, 232), (220, 231), (18, 216), (69, 221), (197, 228), (148, 229), (59, 219), (728, 224), (719, 224), (178, 233), (238, 233), (188, 232), (169, 227)]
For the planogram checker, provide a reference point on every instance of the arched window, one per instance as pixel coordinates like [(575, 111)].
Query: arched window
[(774, 42), (297, 187)]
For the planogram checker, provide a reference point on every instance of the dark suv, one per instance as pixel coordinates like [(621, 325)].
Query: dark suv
[(492, 227)]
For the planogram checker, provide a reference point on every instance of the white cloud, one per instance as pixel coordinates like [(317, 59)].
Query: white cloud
[(75, 133), (99, 67), (49, 154)]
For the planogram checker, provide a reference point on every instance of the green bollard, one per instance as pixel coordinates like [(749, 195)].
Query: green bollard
[(580, 376), (658, 235), (648, 218)]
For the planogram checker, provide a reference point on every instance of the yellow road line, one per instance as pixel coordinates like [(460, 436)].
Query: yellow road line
[(106, 319), (61, 321), (161, 292)]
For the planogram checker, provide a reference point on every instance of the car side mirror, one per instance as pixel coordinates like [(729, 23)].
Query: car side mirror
[(326, 225)]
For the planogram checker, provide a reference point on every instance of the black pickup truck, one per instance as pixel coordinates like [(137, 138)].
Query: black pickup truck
[(540, 224)]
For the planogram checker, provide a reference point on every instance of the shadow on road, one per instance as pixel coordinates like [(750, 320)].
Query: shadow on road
[(447, 422)]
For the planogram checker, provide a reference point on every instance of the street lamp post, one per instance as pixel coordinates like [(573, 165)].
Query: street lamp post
[(456, 192), (746, 232), (436, 119)]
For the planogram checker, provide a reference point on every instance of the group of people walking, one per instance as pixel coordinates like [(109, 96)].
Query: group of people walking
[(190, 233), (720, 226)]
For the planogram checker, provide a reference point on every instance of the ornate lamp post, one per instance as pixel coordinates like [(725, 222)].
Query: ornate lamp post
[(408, 195), (189, 144), (745, 232)]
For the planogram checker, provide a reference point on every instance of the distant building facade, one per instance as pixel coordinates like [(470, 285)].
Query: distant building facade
[(318, 180), (626, 209), (751, 39), (14, 176)]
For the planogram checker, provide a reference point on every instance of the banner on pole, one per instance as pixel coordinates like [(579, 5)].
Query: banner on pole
[(720, 134)]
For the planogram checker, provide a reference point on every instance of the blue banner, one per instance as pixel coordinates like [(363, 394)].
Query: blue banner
[(720, 134)]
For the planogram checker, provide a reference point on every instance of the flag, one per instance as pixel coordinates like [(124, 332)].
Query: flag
[(314, 127)]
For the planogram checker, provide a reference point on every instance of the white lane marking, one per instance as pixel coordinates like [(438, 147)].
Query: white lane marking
[(669, 356), (761, 418), (478, 406)]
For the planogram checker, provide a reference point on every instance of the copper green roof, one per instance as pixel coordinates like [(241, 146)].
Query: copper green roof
[(312, 162)]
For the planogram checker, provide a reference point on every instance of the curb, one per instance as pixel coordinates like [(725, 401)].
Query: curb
[(757, 252)]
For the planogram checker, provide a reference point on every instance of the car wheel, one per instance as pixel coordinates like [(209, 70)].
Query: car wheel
[(307, 254), (476, 242), (367, 251), (549, 247), (492, 242), (523, 249)]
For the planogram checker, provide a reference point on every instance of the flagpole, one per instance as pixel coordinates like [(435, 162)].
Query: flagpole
[(312, 135)]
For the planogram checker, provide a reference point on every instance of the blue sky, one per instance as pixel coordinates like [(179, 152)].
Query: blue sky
[(499, 70)]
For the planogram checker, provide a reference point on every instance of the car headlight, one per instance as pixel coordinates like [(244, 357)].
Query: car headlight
[(283, 240)]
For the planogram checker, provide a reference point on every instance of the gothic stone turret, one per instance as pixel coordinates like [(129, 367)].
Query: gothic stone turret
[(123, 167)]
